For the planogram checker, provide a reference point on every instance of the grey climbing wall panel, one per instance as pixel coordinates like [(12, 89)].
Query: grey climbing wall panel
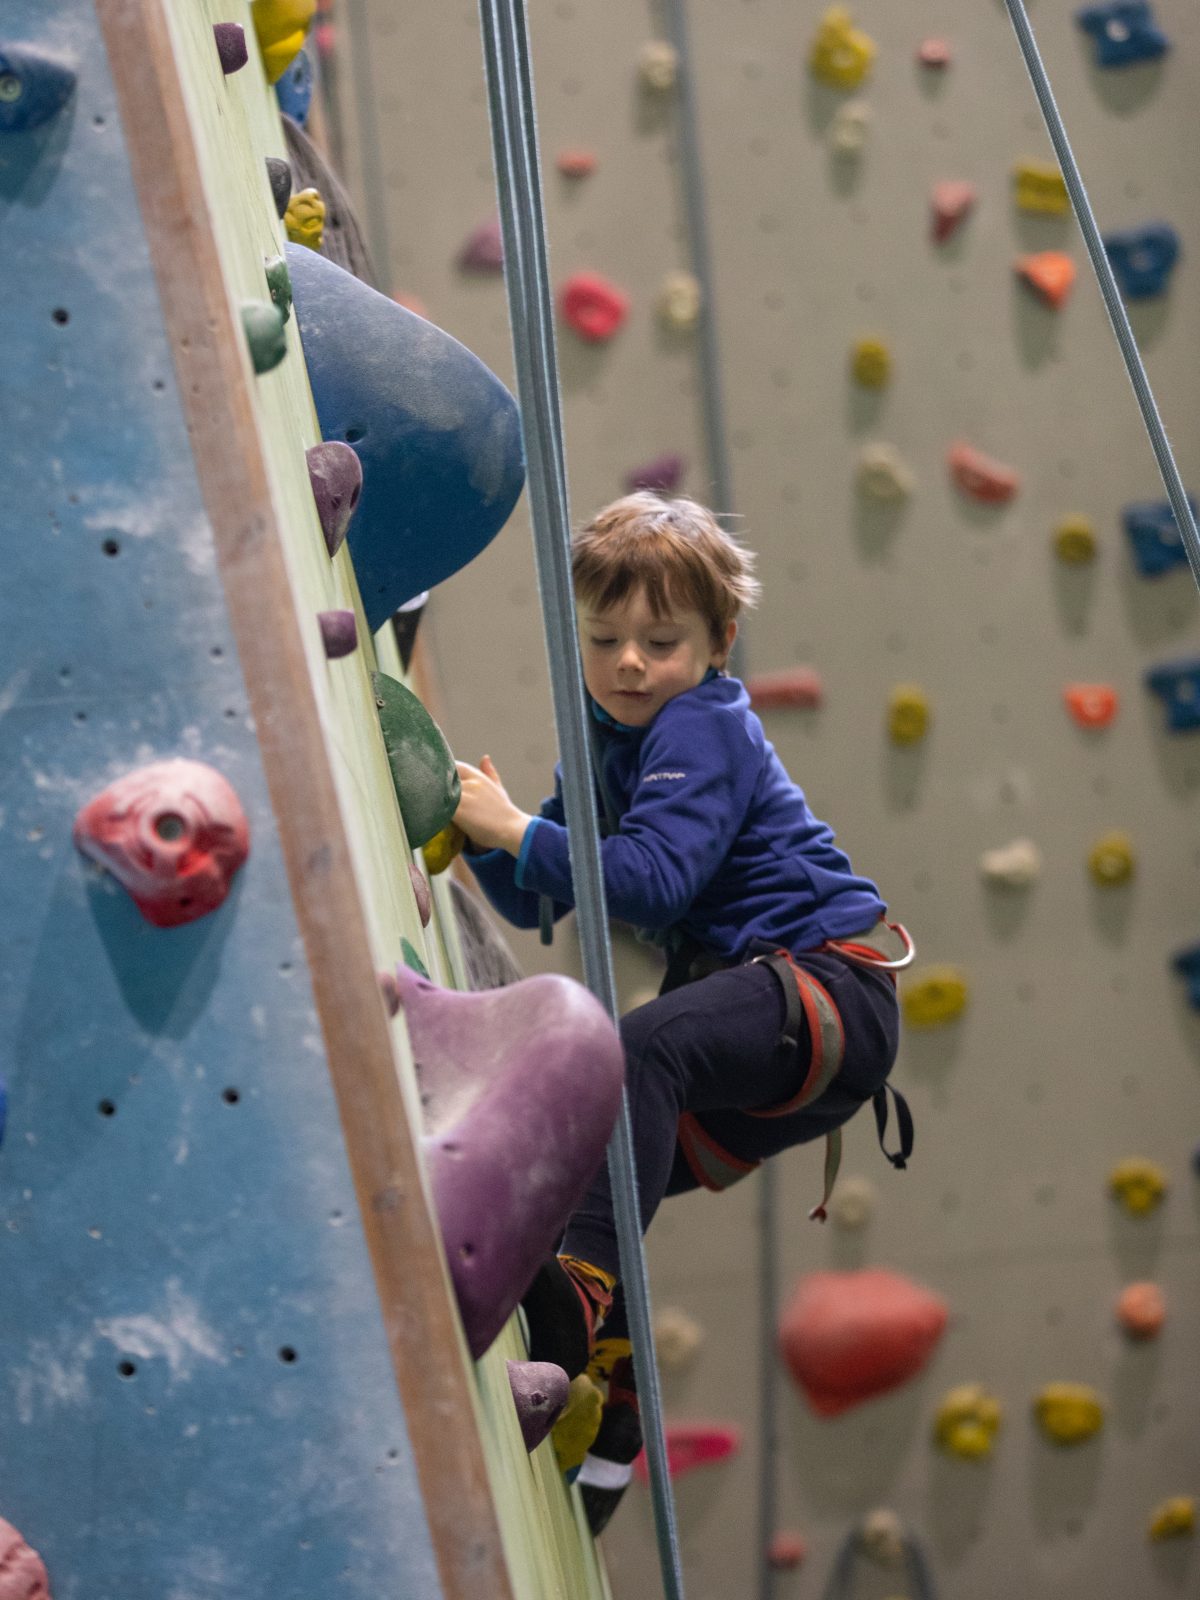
[(1078, 1046)]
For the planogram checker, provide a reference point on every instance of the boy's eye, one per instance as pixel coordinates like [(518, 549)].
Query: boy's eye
[(603, 641), (664, 644)]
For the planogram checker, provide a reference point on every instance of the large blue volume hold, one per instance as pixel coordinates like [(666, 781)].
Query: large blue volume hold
[(34, 86), (438, 434)]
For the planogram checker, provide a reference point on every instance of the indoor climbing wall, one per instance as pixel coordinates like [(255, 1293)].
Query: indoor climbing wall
[(210, 867), (936, 452)]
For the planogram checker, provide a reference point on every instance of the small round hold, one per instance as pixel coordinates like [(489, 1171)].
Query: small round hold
[(680, 301), (1141, 1310), (881, 1534), (934, 996), (1012, 866), (1111, 860), (1069, 1413), (593, 307), (658, 66), (1075, 541), (262, 323), (871, 363), (908, 714), (841, 54), (1139, 1185), (787, 1551), (934, 53), (677, 1338), (1173, 1519), (441, 850), (967, 1421), (279, 176), (420, 889), (849, 128), (231, 46), (339, 633), (852, 1203), (576, 163)]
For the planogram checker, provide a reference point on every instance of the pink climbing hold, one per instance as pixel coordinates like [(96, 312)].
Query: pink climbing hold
[(521, 1087), (980, 476), (593, 306), (792, 686), (1141, 1310), (539, 1391), (173, 834), (576, 163), (231, 46), (483, 249), (22, 1571), (335, 476), (420, 889), (934, 53), (694, 1444), (339, 633), (953, 200), (787, 1551), (848, 1336), (663, 474)]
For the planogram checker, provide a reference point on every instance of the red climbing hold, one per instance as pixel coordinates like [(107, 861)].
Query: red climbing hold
[(952, 200), (787, 1551), (847, 1336), (694, 1444), (576, 163), (980, 477), (22, 1571), (173, 834), (793, 686), (1092, 705), (593, 306), (1051, 274)]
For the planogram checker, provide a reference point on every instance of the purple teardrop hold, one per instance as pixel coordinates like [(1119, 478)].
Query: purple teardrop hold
[(483, 250), (335, 473), (539, 1391), (521, 1088), (339, 633), (664, 474), (231, 46), (420, 890)]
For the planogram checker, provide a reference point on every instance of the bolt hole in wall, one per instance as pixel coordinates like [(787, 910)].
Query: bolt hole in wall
[(231, 1096), (61, 315), (127, 1369), (288, 1355), (107, 1108), (111, 547)]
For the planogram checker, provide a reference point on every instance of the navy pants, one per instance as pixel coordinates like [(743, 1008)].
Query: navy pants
[(712, 1048)]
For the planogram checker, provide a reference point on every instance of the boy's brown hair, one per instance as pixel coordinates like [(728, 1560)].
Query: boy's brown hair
[(674, 550)]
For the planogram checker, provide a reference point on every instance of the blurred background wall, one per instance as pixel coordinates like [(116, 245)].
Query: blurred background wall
[(1077, 1047)]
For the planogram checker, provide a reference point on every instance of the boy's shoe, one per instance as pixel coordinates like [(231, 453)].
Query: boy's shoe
[(564, 1308), (608, 1466)]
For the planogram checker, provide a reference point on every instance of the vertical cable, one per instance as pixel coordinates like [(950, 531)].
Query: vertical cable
[(1102, 267), (768, 1375), (518, 183)]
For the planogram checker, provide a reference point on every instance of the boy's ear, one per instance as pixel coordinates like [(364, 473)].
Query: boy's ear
[(722, 654)]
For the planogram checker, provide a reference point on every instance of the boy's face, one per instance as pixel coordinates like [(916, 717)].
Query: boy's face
[(634, 662)]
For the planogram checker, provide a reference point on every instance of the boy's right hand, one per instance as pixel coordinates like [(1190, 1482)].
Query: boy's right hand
[(485, 813)]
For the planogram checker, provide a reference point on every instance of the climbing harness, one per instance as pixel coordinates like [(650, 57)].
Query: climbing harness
[(888, 948), (519, 190)]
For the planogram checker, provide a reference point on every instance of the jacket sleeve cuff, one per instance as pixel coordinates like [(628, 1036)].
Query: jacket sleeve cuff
[(523, 853)]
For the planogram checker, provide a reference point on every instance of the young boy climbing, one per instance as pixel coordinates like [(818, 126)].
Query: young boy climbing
[(777, 1018)]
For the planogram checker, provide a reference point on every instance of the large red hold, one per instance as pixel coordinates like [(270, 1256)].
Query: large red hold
[(691, 1445), (848, 1336), (22, 1574), (173, 834)]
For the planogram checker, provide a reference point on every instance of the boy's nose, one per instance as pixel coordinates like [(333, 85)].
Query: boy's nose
[(630, 659)]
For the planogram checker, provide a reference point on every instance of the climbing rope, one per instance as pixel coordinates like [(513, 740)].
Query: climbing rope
[(1084, 215), (519, 187)]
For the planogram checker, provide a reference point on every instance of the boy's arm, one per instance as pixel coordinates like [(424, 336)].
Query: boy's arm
[(496, 870), (699, 768)]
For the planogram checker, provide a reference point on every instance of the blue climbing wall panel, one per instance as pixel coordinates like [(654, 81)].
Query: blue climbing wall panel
[(196, 1400)]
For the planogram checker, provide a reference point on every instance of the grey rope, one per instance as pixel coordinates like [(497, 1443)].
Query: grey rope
[(768, 1374), (1108, 286), (518, 183)]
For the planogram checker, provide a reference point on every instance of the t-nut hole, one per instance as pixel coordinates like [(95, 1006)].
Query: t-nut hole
[(107, 1108), (127, 1369), (10, 87), (61, 315), (111, 547), (231, 1096), (466, 1251), (170, 826), (353, 435), (287, 1354)]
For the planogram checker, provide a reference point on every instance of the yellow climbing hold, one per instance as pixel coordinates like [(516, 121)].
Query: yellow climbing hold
[(443, 847), (575, 1431), (1174, 1519), (1075, 541), (304, 218), (1138, 1184), (1111, 859), (841, 53), (967, 1420), (658, 66), (872, 363), (1040, 187), (281, 26), (1069, 1413), (908, 714), (680, 300), (933, 996)]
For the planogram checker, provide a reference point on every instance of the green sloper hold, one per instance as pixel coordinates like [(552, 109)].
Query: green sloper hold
[(263, 325), (423, 769), (279, 283)]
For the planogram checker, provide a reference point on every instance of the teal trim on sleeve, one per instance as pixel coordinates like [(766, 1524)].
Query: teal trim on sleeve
[(523, 853)]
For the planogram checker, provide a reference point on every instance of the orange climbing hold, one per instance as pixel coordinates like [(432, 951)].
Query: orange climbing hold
[(694, 1444), (576, 163), (1051, 274), (793, 686), (1141, 1310), (980, 476), (1092, 705)]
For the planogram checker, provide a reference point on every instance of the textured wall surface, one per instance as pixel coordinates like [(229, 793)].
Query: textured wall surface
[(1077, 1047)]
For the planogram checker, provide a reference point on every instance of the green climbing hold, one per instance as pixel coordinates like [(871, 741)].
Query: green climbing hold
[(412, 959), (423, 769), (279, 283), (263, 323)]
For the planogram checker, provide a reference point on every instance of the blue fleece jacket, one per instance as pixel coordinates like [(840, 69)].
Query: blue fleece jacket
[(714, 839)]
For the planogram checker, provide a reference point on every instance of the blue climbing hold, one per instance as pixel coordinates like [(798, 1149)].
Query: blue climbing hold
[(1142, 258), (34, 87), (1155, 537), (1187, 962), (438, 434), (294, 91), (1177, 684), (1124, 32)]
